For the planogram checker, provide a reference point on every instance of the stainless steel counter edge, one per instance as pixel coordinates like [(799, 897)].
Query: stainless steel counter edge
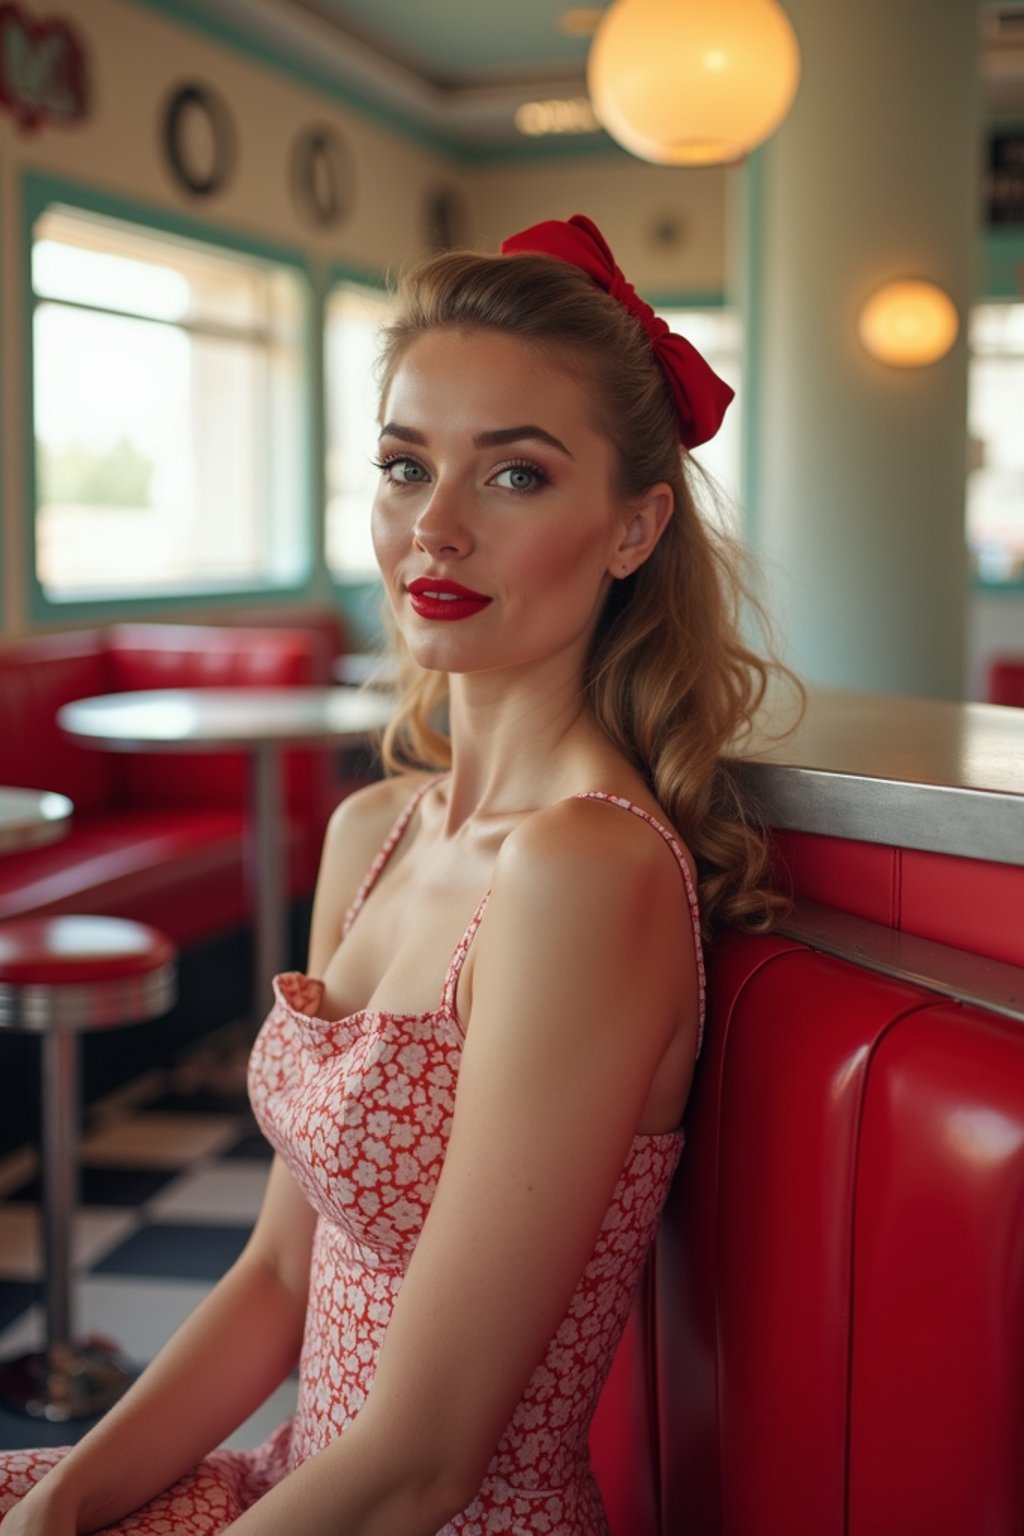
[(968, 822), (952, 973)]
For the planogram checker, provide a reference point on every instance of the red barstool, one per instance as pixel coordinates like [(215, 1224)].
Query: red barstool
[(59, 977)]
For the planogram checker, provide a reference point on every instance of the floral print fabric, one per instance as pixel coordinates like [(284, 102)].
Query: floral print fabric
[(360, 1109)]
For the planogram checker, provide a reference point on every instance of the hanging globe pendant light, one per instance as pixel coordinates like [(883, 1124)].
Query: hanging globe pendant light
[(692, 82)]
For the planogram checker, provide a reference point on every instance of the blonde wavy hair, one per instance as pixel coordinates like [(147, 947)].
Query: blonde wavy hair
[(668, 678)]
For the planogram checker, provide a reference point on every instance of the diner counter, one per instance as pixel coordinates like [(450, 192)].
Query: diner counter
[(878, 768)]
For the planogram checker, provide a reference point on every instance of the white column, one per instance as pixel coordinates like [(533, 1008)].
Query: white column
[(856, 471)]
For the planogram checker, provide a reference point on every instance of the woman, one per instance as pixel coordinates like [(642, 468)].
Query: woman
[(473, 1151)]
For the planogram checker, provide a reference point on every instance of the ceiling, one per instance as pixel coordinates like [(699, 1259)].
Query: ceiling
[(457, 70), (459, 44)]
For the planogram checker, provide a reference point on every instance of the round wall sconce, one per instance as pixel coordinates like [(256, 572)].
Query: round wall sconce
[(694, 84), (908, 324)]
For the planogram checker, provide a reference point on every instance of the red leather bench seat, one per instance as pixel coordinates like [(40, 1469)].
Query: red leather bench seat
[(155, 836), (184, 867), (831, 1337), (971, 904)]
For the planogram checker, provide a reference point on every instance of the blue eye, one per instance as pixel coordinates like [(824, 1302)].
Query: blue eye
[(523, 478), (401, 471)]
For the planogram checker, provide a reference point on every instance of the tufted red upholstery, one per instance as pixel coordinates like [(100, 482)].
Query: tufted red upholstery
[(833, 1333), (154, 837), (208, 656), (972, 904), (1006, 680), (937, 1388), (36, 678)]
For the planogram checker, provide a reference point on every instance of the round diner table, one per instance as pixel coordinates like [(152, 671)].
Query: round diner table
[(261, 722), (30, 817)]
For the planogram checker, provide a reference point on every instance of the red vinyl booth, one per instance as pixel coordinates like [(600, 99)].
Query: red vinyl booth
[(154, 837), (1006, 681), (829, 1340)]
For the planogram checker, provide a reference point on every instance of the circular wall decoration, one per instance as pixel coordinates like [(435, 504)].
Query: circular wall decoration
[(199, 139), (322, 177), (668, 232), (445, 219)]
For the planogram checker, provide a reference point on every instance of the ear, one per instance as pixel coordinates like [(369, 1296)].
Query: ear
[(644, 522)]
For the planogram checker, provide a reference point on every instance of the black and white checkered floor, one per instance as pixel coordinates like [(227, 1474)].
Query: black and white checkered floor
[(172, 1177)]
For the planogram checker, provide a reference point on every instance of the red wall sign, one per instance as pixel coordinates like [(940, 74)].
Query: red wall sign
[(42, 69)]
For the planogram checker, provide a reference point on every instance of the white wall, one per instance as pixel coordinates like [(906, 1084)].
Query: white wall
[(667, 227)]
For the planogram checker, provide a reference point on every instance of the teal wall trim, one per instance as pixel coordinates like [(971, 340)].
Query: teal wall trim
[(1002, 264), (555, 146), (220, 29), (710, 299), (194, 14), (40, 192), (360, 602), (1001, 278), (366, 277)]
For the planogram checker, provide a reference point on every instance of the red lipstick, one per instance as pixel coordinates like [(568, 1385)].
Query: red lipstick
[(434, 598)]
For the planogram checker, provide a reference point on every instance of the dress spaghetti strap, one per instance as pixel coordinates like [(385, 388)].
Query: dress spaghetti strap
[(388, 847), (691, 894), (458, 958)]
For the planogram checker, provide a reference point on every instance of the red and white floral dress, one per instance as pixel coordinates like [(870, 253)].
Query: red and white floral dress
[(360, 1109)]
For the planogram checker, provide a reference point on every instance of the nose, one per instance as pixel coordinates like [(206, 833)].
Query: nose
[(441, 527)]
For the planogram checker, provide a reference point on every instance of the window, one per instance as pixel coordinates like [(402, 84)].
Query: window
[(717, 335), (995, 480), (354, 318), (170, 403)]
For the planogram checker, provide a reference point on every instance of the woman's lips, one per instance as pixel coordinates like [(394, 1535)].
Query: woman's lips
[(435, 599)]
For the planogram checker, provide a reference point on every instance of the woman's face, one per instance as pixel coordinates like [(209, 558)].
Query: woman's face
[(496, 525)]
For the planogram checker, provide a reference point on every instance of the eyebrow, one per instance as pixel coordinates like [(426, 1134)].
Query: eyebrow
[(495, 439)]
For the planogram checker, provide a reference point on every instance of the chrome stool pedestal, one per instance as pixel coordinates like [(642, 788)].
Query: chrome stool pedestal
[(61, 977)]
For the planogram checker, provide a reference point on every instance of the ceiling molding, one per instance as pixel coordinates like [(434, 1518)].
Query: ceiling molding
[(473, 121), (468, 121)]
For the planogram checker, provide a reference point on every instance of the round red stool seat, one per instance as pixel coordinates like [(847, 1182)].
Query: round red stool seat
[(60, 977), (82, 973)]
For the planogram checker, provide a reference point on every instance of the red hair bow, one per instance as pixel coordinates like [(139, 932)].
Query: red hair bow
[(701, 397)]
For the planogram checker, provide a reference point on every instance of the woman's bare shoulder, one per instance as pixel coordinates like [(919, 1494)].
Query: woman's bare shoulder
[(587, 836), (581, 868), (594, 897), (361, 822)]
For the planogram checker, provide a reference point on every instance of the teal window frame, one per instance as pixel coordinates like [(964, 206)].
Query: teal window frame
[(39, 192), (359, 599), (1002, 280)]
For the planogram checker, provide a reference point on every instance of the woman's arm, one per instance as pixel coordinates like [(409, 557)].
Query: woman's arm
[(577, 994), (244, 1338), (232, 1352)]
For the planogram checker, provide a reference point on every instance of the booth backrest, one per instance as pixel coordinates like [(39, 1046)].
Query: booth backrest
[(830, 1341), (214, 656), (971, 904), (36, 677), (1006, 680)]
